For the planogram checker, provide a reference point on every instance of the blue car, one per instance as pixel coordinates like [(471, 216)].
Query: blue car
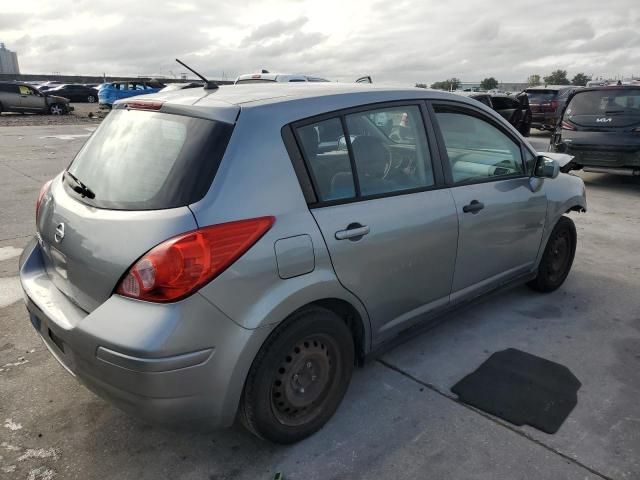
[(110, 92)]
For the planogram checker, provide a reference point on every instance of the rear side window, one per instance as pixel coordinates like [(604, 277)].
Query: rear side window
[(8, 88), (140, 160), (483, 99), (504, 103), (324, 148), (477, 150), (605, 102)]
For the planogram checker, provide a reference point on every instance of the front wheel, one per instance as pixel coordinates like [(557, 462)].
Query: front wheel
[(91, 99), (557, 258), (299, 377), (56, 109)]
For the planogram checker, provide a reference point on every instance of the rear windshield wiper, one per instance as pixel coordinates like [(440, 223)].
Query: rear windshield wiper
[(80, 187)]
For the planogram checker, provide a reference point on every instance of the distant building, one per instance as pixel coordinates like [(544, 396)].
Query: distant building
[(8, 61)]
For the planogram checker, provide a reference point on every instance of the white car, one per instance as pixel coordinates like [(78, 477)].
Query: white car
[(276, 77)]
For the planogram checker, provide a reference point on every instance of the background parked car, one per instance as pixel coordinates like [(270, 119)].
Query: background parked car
[(110, 92), (547, 103), (21, 97), (600, 127), (43, 87), (266, 77), (76, 93), (172, 87), (515, 110)]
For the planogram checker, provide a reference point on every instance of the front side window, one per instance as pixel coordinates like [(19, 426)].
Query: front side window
[(24, 90), (387, 148), (477, 150), (390, 150)]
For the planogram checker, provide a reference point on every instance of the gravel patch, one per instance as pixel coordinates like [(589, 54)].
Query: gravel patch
[(82, 113)]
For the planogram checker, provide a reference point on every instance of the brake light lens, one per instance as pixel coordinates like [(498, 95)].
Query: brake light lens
[(179, 266), (567, 125), (43, 190), (144, 105)]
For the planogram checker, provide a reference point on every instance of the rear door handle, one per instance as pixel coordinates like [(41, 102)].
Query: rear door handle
[(353, 232), (474, 207)]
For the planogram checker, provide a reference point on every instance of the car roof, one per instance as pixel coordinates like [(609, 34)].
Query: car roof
[(264, 93), (292, 100), (608, 87)]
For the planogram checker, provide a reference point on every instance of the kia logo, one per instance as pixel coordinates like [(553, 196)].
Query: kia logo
[(59, 233), (603, 120)]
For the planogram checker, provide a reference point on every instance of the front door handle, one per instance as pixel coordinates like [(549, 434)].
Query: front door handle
[(474, 207), (353, 232)]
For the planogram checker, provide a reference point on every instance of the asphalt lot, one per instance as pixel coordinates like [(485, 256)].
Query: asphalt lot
[(399, 419)]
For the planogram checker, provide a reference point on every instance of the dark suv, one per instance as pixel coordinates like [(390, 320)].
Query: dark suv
[(547, 103), (600, 127)]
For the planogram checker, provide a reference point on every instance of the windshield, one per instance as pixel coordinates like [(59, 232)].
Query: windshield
[(609, 102), (141, 160)]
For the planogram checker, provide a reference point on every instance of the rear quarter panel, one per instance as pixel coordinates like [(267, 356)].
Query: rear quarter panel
[(256, 178)]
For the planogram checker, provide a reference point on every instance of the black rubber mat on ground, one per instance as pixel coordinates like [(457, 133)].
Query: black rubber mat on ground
[(522, 389)]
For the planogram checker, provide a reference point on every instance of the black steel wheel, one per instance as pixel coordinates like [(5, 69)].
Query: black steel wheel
[(299, 377), (557, 258)]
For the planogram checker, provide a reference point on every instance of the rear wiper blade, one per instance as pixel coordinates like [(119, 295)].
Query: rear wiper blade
[(80, 187)]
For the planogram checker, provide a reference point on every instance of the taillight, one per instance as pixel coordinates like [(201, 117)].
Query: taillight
[(567, 125), (179, 266), (43, 190)]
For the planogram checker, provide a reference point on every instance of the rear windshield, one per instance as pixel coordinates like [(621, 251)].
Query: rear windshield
[(605, 102), (141, 160), (537, 96)]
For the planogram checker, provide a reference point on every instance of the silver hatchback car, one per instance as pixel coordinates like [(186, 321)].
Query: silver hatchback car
[(236, 251)]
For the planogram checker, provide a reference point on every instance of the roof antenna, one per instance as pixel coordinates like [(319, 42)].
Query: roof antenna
[(208, 84)]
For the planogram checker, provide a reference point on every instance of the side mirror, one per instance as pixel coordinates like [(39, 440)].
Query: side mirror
[(546, 167)]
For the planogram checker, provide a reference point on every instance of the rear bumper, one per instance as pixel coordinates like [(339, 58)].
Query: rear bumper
[(612, 157), (173, 363), (543, 121)]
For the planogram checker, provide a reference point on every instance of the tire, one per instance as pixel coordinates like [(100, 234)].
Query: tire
[(56, 109), (557, 257), (299, 377), (91, 99)]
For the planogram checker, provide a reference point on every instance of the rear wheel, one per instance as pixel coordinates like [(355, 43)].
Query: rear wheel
[(557, 258), (299, 377), (91, 99)]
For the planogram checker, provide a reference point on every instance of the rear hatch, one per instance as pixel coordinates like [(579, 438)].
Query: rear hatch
[(604, 110), (542, 101), (142, 169)]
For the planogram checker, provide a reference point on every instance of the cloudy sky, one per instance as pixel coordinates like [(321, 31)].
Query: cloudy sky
[(403, 41)]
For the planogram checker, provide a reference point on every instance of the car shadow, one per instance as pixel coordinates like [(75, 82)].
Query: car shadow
[(606, 181)]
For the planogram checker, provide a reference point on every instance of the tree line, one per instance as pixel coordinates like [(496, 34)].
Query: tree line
[(557, 77)]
